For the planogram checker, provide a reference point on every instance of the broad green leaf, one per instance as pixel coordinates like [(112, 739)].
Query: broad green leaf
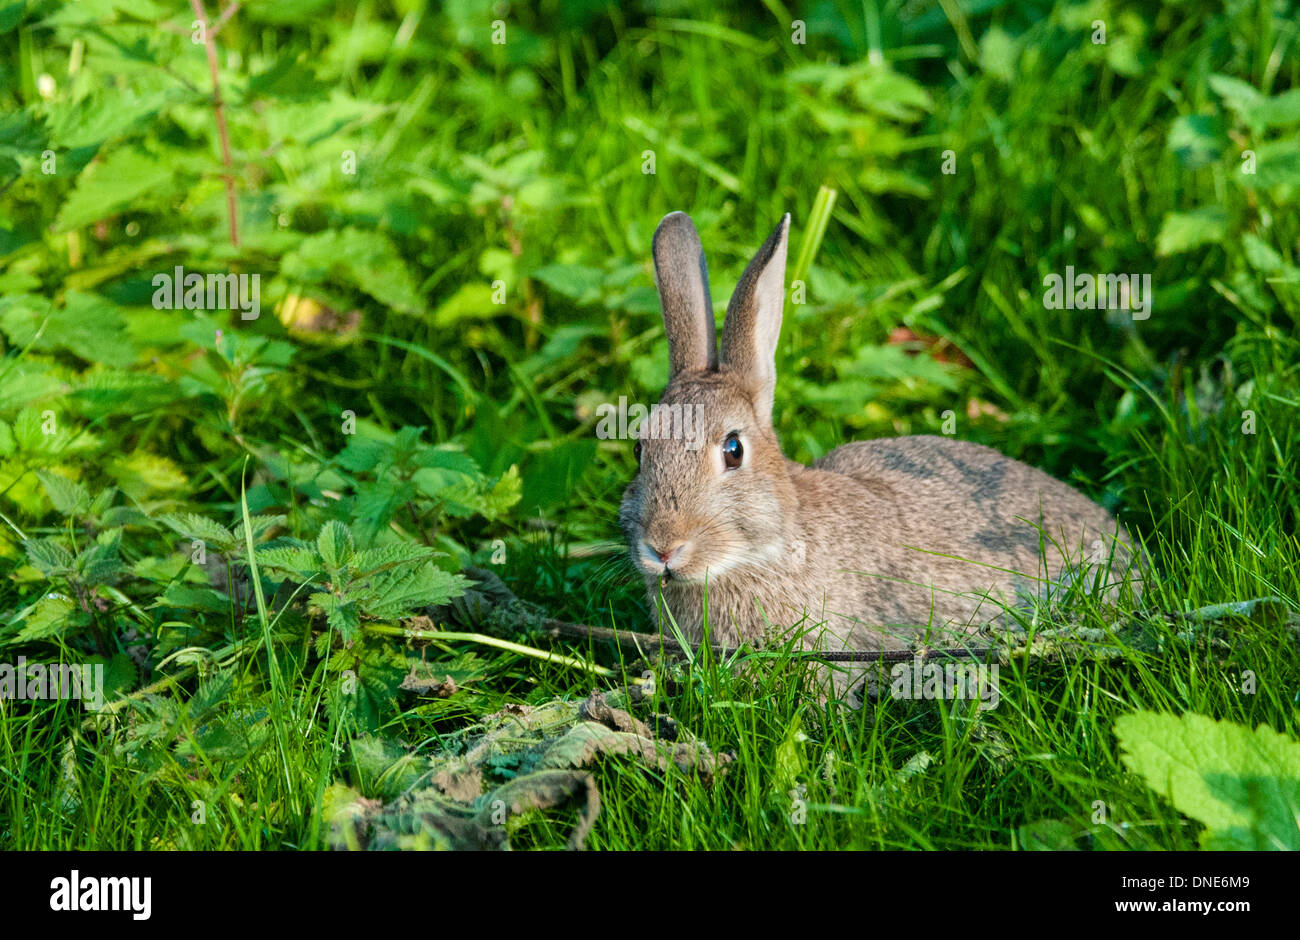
[(580, 283), (193, 526), (334, 543), (366, 260), (399, 593), (1243, 785), (48, 556), (471, 301), (301, 561), (52, 616), (87, 325), (1184, 231), (342, 615), (68, 496), (126, 179), (194, 597), (141, 474), (370, 561)]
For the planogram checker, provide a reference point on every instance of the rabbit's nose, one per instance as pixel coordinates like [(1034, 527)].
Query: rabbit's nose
[(666, 557)]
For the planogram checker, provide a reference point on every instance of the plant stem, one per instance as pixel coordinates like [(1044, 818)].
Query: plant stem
[(218, 105), (485, 640)]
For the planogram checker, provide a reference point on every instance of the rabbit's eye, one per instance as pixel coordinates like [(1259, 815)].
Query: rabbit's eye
[(636, 451), (732, 451)]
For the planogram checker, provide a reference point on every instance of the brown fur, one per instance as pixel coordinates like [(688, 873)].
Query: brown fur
[(875, 542)]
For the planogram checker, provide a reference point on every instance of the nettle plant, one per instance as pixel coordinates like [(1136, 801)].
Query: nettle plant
[(386, 582)]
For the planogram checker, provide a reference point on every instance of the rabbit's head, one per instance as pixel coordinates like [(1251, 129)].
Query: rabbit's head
[(713, 492)]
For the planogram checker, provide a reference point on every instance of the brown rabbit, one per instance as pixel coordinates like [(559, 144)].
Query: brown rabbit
[(868, 545)]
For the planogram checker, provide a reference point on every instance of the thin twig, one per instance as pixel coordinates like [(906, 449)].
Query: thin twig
[(638, 641), (209, 43)]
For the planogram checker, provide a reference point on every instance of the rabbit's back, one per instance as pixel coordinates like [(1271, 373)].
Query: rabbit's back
[(955, 519)]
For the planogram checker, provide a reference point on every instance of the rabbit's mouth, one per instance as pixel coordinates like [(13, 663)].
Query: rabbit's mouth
[(684, 562)]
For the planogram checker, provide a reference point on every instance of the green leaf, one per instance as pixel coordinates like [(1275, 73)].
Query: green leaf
[(342, 615), (1048, 835), (86, 325), (49, 557), (1243, 785), (396, 594), (504, 494), (140, 474), (365, 259), (1277, 163), (1183, 231), (50, 617), (371, 561), (1197, 140), (471, 301), (334, 543), (298, 559), (194, 526), (68, 496), (363, 454), (260, 526), (194, 597), (100, 564), (576, 281), (124, 180), (1239, 96)]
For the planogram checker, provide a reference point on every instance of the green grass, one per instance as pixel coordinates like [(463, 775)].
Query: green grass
[(523, 164)]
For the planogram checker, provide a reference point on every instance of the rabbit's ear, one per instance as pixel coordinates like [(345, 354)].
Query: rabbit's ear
[(753, 322), (683, 281)]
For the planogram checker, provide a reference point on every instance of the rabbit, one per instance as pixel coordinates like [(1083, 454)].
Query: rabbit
[(874, 546)]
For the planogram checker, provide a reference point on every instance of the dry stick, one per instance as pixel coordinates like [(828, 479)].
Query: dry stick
[(210, 44), (634, 641)]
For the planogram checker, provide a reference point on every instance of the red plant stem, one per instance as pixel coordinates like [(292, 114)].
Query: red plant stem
[(209, 43)]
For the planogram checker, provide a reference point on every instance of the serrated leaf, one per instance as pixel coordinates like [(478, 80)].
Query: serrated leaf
[(68, 496), (371, 561), (398, 593), (1243, 785), (343, 615), (260, 526), (48, 556), (365, 259), (194, 597), (299, 560), (100, 564), (193, 526), (50, 617), (124, 179), (87, 325), (363, 454), (505, 493), (334, 543), (210, 694)]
